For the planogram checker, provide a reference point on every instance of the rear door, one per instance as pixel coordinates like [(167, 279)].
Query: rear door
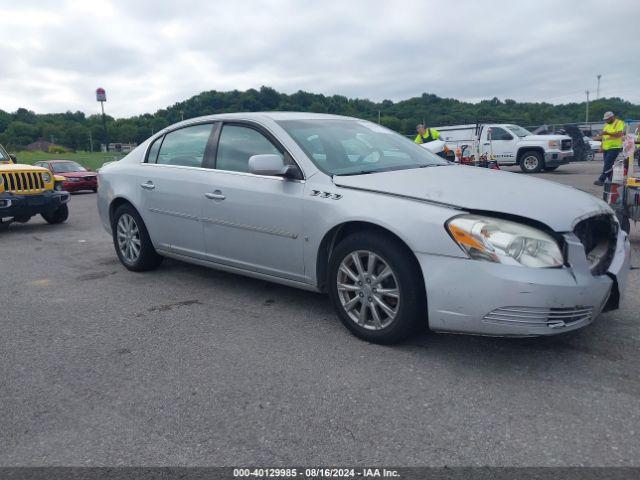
[(173, 179)]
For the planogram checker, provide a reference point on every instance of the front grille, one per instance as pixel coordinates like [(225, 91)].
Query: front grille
[(566, 144), (539, 316), (598, 235), (23, 182)]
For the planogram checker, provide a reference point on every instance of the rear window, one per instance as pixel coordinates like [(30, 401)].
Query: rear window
[(185, 147)]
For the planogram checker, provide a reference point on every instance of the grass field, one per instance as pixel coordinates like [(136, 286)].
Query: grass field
[(90, 160)]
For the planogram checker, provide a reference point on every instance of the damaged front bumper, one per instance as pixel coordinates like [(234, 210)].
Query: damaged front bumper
[(477, 297)]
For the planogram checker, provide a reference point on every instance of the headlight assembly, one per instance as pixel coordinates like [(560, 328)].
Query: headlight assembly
[(501, 241), (46, 177), (554, 144)]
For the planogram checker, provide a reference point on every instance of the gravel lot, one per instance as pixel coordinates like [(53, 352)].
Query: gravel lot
[(189, 366)]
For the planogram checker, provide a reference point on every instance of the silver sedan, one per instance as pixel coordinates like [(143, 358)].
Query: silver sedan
[(399, 238)]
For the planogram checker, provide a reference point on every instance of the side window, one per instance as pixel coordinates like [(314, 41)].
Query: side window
[(498, 133), (237, 144), (185, 147), (152, 157)]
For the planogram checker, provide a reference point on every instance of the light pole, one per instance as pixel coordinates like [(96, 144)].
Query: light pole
[(586, 116), (598, 87)]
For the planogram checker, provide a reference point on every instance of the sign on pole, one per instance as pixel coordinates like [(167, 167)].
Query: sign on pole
[(101, 95)]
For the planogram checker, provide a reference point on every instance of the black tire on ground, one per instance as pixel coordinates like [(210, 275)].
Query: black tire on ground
[(148, 258), (22, 219), (531, 162), (59, 215), (412, 303)]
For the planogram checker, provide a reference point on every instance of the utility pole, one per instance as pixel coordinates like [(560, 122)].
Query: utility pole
[(586, 117), (598, 87), (378, 117)]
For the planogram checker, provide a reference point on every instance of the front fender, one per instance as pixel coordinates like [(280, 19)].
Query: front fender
[(420, 225)]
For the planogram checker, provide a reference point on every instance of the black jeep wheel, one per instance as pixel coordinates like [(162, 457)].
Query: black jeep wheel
[(59, 215)]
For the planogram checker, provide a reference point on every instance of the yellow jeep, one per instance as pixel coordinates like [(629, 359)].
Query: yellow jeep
[(26, 191)]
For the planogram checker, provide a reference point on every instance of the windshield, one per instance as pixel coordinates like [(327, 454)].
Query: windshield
[(66, 167), (349, 147), (518, 130), (3, 154)]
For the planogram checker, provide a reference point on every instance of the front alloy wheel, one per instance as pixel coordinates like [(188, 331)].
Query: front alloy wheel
[(368, 290), (376, 287)]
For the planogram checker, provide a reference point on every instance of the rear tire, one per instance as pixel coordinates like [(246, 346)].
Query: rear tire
[(59, 215), (132, 242), (375, 305), (531, 162)]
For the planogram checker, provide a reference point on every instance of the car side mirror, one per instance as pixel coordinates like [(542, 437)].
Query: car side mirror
[(270, 164), (13, 158)]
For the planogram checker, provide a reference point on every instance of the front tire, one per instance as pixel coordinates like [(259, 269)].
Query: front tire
[(132, 242), (376, 287), (59, 215), (531, 162)]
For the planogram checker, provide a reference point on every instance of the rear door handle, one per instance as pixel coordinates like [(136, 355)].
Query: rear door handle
[(217, 195), (148, 186)]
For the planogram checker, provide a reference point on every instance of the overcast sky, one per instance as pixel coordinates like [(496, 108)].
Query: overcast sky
[(150, 54)]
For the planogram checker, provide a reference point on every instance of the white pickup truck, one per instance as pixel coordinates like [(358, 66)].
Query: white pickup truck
[(511, 145)]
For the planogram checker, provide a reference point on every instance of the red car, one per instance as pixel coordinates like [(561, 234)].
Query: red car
[(77, 177)]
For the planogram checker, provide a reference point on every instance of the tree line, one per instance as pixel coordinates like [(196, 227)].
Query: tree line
[(76, 131)]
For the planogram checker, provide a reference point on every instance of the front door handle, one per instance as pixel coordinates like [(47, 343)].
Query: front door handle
[(148, 186), (217, 195)]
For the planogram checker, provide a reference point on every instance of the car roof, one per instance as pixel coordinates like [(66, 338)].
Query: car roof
[(261, 117), (58, 161), (277, 116)]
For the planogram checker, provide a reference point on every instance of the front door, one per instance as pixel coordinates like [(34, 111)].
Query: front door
[(172, 182), (501, 144), (252, 222)]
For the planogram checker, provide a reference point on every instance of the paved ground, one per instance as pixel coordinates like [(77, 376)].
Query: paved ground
[(189, 366)]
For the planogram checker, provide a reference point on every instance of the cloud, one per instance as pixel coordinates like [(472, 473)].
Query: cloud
[(148, 55)]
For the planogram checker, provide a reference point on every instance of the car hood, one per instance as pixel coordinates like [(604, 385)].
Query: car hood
[(480, 189)]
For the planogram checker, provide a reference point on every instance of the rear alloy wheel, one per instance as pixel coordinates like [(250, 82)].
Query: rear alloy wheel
[(531, 162), (376, 288), (59, 215), (131, 241)]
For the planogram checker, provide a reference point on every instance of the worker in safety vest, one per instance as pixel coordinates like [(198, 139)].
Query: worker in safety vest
[(426, 135), (611, 138)]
